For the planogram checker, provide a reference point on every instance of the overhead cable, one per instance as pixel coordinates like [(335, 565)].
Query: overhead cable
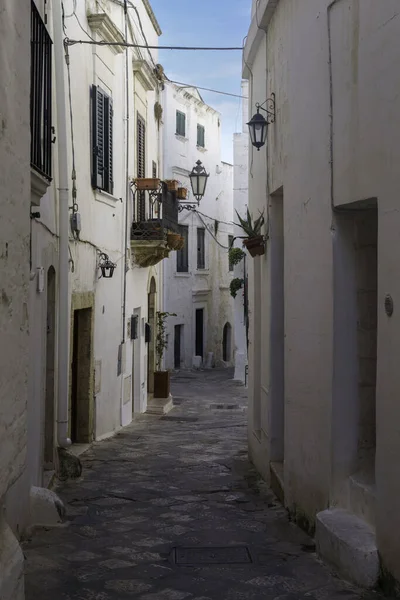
[(70, 42), (197, 87)]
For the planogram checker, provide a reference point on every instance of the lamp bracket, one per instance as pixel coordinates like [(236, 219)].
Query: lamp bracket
[(270, 108), (192, 207)]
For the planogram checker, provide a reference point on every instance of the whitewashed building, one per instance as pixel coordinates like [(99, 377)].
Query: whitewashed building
[(324, 420), (240, 203), (197, 278)]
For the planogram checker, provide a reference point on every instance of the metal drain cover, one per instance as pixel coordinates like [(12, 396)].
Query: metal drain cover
[(229, 555)]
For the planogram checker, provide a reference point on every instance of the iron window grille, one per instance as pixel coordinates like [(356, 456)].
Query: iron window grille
[(201, 263), (41, 90), (201, 136), (182, 256), (102, 140), (180, 123)]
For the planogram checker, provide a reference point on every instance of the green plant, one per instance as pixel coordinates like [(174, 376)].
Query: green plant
[(251, 229), (235, 256), (162, 338), (235, 285)]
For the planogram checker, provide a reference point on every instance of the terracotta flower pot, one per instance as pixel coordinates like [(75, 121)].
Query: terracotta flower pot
[(147, 183), (181, 194), (255, 246), (173, 240), (172, 185), (161, 384)]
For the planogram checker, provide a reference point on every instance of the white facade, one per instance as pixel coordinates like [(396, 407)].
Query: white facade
[(14, 276), (323, 410), (240, 203), (199, 293)]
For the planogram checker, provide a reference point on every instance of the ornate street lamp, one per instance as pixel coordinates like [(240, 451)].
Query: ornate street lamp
[(258, 124), (106, 266), (198, 179)]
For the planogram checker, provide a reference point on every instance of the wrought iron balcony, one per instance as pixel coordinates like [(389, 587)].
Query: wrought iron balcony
[(41, 89), (155, 213)]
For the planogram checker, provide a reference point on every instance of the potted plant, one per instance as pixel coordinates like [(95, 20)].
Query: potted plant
[(253, 240), (161, 378), (172, 185), (174, 240), (181, 243), (235, 285), (181, 193), (147, 183), (235, 256)]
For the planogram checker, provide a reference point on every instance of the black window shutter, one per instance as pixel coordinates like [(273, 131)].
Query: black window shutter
[(109, 183), (98, 158)]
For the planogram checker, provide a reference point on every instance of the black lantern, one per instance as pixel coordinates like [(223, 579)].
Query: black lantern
[(106, 266), (198, 179), (258, 124)]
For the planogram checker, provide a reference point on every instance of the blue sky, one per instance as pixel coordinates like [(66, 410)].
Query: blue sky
[(207, 23)]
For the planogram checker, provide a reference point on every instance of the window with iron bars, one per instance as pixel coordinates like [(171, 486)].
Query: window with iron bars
[(41, 91)]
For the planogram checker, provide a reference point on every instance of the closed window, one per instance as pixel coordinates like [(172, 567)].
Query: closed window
[(141, 163), (182, 256), (230, 245), (154, 169), (201, 263), (200, 136), (180, 123), (102, 140)]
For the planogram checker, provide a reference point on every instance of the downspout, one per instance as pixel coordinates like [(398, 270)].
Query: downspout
[(63, 202), (127, 169)]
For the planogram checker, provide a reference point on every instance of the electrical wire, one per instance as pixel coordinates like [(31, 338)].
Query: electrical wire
[(197, 87), (70, 42), (74, 207)]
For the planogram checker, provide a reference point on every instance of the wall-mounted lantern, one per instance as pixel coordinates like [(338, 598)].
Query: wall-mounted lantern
[(106, 266), (198, 179), (258, 124)]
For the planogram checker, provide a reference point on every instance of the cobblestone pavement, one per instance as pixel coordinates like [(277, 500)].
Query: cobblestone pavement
[(171, 509)]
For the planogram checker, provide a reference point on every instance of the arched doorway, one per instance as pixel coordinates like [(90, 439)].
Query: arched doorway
[(49, 414), (152, 343), (227, 343)]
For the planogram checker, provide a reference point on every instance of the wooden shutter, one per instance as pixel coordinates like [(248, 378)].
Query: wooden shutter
[(108, 126), (200, 136), (230, 245), (182, 256), (180, 123), (141, 147), (98, 111), (200, 248)]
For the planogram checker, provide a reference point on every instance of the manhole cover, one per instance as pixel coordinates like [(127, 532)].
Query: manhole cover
[(230, 555), (183, 419)]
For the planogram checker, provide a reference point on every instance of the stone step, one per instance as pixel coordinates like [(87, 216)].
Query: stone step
[(160, 406)]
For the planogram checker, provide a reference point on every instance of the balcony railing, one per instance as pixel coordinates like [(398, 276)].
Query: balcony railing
[(155, 213), (41, 85)]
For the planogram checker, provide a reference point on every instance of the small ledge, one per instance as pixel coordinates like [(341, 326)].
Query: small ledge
[(144, 73), (39, 186), (181, 138), (103, 25), (148, 253), (201, 149), (106, 198), (183, 274)]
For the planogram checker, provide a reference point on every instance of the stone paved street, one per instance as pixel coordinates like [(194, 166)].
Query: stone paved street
[(171, 509)]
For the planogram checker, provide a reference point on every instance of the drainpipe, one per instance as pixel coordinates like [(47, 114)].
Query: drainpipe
[(63, 202)]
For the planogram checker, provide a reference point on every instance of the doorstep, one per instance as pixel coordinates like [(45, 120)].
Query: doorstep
[(160, 406)]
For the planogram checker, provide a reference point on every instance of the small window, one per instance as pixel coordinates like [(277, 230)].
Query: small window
[(154, 169), (201, 248), (230, 245), (200, 136), (180, 123), (102, 140), (182, 256)]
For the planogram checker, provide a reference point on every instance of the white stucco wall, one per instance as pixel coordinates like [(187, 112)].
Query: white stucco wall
[(103, 215), (325, 63), (14, 271), (206, 288)]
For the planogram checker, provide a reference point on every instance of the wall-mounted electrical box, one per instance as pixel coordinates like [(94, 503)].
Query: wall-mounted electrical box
[(76, 222)]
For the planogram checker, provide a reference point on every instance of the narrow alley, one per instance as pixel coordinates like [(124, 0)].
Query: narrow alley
[(170, 509)]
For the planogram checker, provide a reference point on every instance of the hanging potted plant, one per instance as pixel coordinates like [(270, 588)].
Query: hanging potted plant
[(235, 285), (235, 256), (174, 240), (181, 193), (161, 378), (253, 240), (147, 183), (172, 185)]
